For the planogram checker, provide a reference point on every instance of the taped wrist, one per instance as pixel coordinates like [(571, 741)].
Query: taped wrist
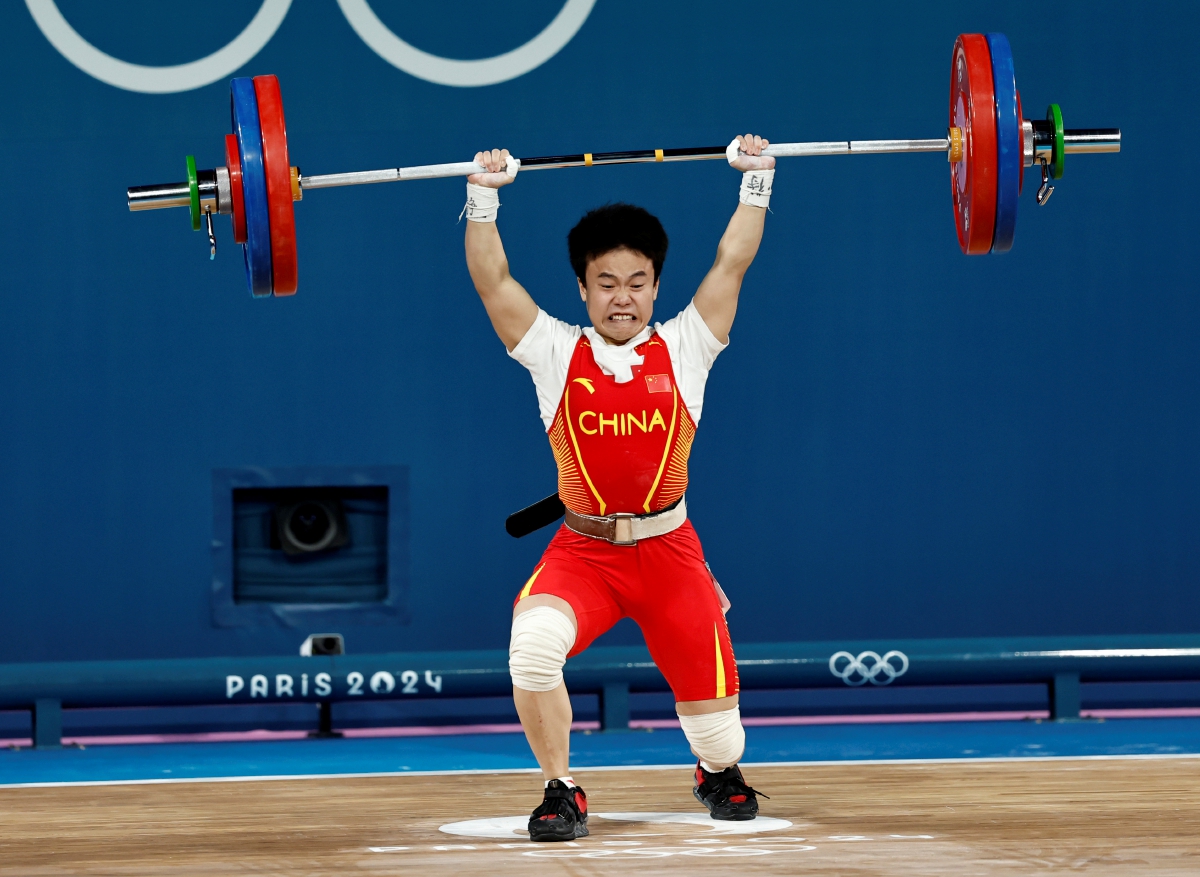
[(537, 650), (756, 188), (483, 202), (717, 739), (756, 185)]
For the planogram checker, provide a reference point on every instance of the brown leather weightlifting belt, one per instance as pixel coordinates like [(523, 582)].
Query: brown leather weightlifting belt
[(627, 529)]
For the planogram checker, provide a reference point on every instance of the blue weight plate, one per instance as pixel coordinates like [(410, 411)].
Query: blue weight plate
[(1008, 142), (257, 249)]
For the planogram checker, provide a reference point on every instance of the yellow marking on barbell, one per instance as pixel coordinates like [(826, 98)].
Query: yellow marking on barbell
[(658, 156), (587, 159)]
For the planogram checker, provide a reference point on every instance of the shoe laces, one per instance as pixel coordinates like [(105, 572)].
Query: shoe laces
[(730, 783), (559, 800)]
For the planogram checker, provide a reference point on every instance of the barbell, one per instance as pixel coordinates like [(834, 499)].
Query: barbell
[(989, 145)]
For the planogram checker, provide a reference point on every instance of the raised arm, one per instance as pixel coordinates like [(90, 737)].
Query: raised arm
[(509, 306), (716, 299)]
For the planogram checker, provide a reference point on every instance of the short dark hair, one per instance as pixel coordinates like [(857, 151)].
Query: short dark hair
[(612, 227)]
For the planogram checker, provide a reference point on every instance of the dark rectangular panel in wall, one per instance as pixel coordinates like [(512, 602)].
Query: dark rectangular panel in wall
[(314, 547), (310, 545)]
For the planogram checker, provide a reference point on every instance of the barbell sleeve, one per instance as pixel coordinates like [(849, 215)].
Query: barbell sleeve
[(1085, 140)]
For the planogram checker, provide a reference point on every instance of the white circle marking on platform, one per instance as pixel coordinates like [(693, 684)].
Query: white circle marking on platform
[(508, 827), (702, 820)]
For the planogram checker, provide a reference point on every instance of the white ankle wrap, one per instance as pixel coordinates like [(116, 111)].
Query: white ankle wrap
[(537, 650), (717, 739)]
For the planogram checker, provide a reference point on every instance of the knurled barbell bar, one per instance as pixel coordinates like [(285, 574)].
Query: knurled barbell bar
[(989, 145)]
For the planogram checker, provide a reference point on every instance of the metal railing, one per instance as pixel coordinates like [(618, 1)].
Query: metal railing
[(1062, 663)]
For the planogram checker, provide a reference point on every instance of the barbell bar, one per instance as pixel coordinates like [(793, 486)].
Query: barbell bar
[(989, 145)]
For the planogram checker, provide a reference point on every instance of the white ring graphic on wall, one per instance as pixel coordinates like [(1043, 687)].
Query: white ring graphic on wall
[(483, 71), (868, 667), (158, 80), (247, 44)]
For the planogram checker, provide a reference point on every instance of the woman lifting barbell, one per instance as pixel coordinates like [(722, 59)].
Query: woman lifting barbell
[(620, 400)]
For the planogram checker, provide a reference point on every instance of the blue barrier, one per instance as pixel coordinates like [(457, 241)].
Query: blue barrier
[(612, 673)]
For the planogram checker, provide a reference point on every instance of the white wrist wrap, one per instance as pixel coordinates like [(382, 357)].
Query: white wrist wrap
[(483, 202), (756, 188), (717, 739), (756, 185), (537, 650)]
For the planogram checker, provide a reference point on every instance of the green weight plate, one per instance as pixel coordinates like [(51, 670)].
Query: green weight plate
[(1054, 114), (194, 191)]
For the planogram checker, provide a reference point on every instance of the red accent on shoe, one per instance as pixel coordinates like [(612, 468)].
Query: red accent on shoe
[(738, 799), (581, 802)]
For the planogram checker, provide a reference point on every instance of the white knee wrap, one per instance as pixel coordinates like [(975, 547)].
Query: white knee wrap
[(717, 739), (541, 638)]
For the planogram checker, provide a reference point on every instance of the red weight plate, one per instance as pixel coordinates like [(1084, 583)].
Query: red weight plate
[(233, 161), (279, 185), (973, 109)]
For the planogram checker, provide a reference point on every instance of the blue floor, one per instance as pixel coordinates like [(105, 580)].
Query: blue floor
[(507, 751)]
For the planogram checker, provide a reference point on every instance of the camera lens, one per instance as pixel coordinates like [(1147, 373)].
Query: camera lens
[(310, 526)]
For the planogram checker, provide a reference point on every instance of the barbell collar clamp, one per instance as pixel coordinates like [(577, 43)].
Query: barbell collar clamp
[(224, 193), (1045, 190), (212, 237)]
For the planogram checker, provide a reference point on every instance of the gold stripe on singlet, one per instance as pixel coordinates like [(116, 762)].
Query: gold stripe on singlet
[(578, 453), (529, 585), (670, 445), (720, 664)]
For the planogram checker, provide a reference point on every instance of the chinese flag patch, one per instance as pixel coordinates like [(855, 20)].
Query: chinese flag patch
[(658, 383)]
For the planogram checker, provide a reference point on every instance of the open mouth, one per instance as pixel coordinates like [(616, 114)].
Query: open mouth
[(621, 318)]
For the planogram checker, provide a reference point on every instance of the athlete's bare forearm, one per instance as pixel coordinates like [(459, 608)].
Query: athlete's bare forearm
[(717, 298), (739, 245)]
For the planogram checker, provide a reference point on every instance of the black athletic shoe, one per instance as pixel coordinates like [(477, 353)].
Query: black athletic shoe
[(562, 814), (726, 794)]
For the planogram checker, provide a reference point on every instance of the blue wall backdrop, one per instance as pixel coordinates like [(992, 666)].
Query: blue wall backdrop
[(900, 441)]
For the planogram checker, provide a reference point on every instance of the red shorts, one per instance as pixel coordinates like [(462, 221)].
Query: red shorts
[(663, 585)]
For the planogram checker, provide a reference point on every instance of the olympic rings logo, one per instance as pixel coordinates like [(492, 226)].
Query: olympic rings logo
[(868, 667), (247, 44)]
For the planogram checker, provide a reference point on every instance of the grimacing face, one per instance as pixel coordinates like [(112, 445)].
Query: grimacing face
[(619, 293)]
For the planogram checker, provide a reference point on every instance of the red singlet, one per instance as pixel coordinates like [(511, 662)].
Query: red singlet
[(623, 448)]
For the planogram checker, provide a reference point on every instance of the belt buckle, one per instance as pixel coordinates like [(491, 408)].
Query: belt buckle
[(623, 529)]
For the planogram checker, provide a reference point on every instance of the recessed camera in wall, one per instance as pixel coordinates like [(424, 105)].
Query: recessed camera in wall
[(310, 545), (310, 526)]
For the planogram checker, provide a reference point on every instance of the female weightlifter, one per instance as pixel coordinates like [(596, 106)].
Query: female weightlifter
[(620, 400)]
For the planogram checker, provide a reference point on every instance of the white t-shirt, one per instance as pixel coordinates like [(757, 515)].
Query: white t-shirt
[(548, 346)]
